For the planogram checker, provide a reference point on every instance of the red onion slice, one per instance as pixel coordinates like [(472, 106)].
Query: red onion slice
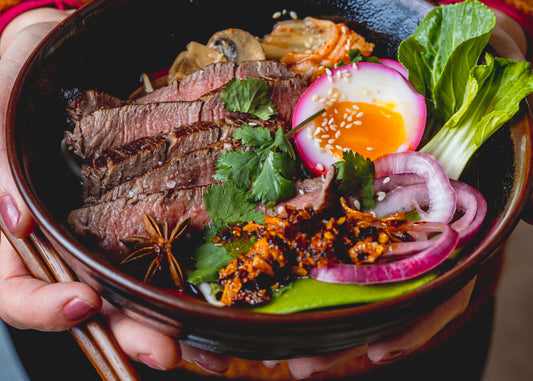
[(442, 198), (474, 206), (403, 269)]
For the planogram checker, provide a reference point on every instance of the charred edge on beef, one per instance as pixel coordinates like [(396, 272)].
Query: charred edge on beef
[(132, 160)]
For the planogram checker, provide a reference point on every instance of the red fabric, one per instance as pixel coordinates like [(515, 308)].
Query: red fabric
[(7, 16)]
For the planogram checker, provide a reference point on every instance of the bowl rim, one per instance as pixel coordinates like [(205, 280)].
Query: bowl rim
[(157, 297)]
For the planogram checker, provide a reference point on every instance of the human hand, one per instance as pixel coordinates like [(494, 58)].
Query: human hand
[(391, 349), (28, 303)]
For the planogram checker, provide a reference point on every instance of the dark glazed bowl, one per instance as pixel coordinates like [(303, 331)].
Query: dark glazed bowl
[(107, 45)]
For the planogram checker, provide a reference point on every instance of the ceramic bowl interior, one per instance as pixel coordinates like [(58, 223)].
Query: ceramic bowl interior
[(106, 46)]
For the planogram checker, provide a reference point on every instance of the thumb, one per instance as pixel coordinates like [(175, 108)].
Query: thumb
[(28, 303)]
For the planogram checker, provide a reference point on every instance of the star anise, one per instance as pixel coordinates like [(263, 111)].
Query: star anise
[(158, 243)]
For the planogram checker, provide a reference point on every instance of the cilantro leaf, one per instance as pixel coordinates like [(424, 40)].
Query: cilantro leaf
[(355, 56), (250, 95), (227, 203), (267, 169), (356, 176), (272, 184)]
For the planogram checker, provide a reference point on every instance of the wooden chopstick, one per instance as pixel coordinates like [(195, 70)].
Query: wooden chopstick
[(97, 343)]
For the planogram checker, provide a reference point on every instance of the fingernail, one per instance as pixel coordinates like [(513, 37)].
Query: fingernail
[(209, 368), (387, 357), (149, 360), (9, 212), (77, 309)]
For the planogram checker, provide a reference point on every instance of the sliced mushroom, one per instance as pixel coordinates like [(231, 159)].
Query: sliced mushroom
[(196, 57), (237, 45)]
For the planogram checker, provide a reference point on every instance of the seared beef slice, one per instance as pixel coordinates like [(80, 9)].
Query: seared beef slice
[(108, 222), (192, 169), (111, 128), (129, 161)]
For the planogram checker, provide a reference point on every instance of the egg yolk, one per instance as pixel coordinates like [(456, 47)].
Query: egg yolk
[(371, 130)]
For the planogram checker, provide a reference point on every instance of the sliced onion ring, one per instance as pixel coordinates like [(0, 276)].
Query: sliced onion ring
[(474, 207), (442, 198), (403, 269)]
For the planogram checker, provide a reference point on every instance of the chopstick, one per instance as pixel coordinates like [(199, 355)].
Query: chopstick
[(97, 343)]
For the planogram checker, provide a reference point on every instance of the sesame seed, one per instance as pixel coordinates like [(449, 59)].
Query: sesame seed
[(331, 120), (314, 97), (370, 148), (356, 204), (360, 114), (337, 134), (339, 148), (329, 146), (333, 127), (386, 180), (345, 115), (325, 136), (328, 71), (276, 15), (349, 119), (301, 191), (354, 65), (331, 141), (348, 126), (294, 16), (284, 11), (330, 79), (318, 130), (355, 107), (347, 79), (342, 124), (381, 196), (358, 122), (320, 166)]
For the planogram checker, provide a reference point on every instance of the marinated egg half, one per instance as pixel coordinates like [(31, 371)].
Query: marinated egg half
[(370, 108)]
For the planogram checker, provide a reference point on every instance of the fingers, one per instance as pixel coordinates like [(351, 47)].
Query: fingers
[(142, 343), (411, 339), (26, 302), (208, 361), (12, 207), (307, 366)]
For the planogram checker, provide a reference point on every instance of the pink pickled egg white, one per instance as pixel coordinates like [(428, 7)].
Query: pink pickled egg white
[(370, 109)]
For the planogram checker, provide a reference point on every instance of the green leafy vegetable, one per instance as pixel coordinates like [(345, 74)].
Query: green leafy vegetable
[(356, 176), (268, 168), (307, 294), (440, 53), (469, 101), (250, 95), (228, 204), (493, 96), (355, 56)]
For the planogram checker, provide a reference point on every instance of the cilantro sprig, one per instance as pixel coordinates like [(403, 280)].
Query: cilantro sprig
[(356, 177), (355, 56), (250, 95), (267, 169)]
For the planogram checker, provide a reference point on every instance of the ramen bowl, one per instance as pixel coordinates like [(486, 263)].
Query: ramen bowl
[(106, 46)]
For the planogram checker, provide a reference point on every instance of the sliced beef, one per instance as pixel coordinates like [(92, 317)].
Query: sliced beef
[(192, 169), (111, 128), (320, 193), (82, 103), (214, 76), (133, 159), (107, 223)]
